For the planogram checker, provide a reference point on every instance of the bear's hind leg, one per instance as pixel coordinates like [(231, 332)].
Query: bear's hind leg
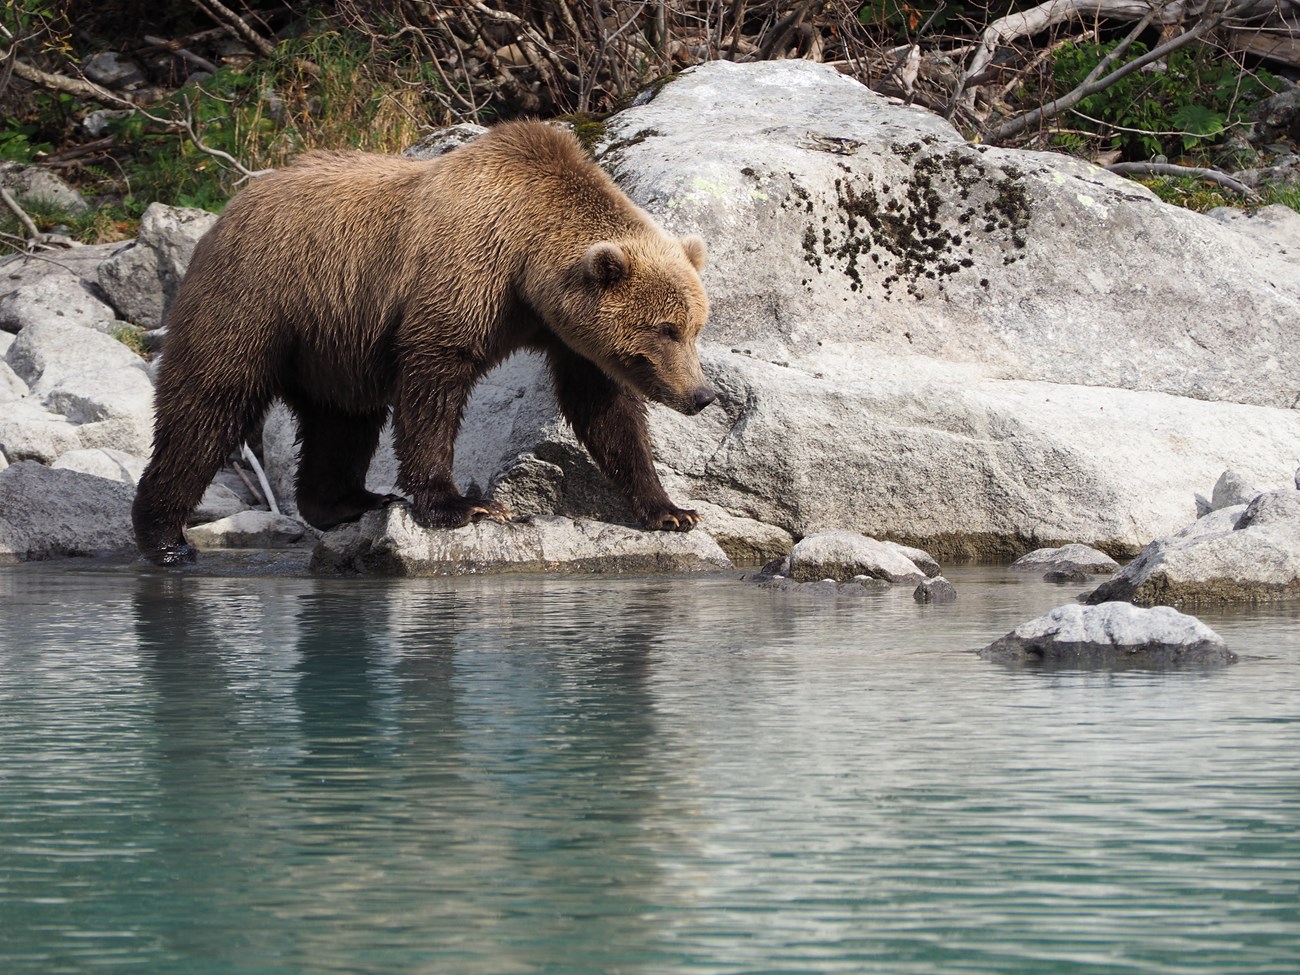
[(336, 449)]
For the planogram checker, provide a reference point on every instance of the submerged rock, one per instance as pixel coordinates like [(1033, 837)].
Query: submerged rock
[(1067, 559), (1116, 635), (389, 542), (1247, 554), (936, 590)]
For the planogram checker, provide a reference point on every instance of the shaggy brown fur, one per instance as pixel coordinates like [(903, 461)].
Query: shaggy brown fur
[(349, 284)]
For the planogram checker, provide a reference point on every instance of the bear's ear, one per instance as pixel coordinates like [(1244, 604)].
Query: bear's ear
[(695, 251), (605, 264)]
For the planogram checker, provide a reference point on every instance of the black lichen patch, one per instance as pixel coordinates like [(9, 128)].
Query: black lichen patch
[(926, 230)]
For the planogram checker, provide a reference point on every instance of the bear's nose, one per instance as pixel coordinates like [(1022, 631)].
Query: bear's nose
[(703, 397)]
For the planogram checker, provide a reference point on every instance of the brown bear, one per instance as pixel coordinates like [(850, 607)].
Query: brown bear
[(352, 284)]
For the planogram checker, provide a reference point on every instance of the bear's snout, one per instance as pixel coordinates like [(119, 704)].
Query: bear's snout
[(699, 399)]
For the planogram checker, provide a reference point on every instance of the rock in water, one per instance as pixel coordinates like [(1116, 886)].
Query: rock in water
[(389, 542), (1242, 554), (1067, 559), (1115, 635)]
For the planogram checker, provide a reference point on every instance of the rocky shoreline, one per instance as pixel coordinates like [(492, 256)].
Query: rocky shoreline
[(976, 352)]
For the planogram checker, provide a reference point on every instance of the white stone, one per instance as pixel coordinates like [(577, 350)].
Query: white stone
[(251, 529), (1067, 558), (1112, 635), (59, 296), (30, 432), (389, 542), (218, 502), (113, 465), (841, 555), (1241, 554)]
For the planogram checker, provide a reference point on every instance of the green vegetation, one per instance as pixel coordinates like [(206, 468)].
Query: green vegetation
[(1187, 109), (376, 75)]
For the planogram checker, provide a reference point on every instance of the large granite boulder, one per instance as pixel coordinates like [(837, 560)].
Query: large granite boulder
[(389, 542), (1113, 636), (980, 351), (1243, 554)]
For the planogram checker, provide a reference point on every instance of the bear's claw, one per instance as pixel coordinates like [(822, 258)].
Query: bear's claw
[(673, 520)]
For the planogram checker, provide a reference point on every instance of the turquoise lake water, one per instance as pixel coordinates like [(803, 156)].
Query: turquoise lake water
[(205, 774)]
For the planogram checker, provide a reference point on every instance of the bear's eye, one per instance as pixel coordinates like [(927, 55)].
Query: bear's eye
[(670, 331)]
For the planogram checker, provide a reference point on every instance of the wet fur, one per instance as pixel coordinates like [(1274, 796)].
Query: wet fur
[(350, 284)]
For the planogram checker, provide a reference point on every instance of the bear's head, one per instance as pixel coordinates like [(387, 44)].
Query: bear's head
[(641, 308)]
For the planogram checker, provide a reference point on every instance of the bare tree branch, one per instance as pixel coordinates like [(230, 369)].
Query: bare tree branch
[(1169, 169), (1019, 123)]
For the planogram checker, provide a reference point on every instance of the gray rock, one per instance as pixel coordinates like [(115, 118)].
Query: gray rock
[(1278, 116), (112, 465), (1232, 488), (61, 296), (96, 124), (745, 540), (110, 69), (6, 340), (1076, 577), (48, 354), (1113, 636), (12, 386), (92, 379), (442, 141), (841, 555), (936, 590), (251, 529), (218, 502), (35, 184), (30, 432), (1067, 559), (141, 280), (389, 542), (1241, 554), (49, 513), (1276, 227)]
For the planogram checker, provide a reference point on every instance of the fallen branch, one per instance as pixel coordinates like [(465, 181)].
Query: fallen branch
[(1093, 84), (249, 456), (1195, 172), (71, 86), (184, 53)]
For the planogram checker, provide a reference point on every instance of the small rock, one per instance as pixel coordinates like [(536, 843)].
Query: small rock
[(1114, 635), (389, 542), (1203, 505), (219, 502), (251, 529), (1231, 489), (936, 590), (96, 124), (1072, 576), (12, 386), (110, 69), (841, 555), (30, 432), (1067, 558), (35, 184)]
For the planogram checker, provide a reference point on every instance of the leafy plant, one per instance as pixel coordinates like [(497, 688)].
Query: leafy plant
[(1183, 109)]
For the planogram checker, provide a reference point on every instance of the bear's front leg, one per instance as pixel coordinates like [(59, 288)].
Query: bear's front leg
[(426, 419), (610, 421)]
